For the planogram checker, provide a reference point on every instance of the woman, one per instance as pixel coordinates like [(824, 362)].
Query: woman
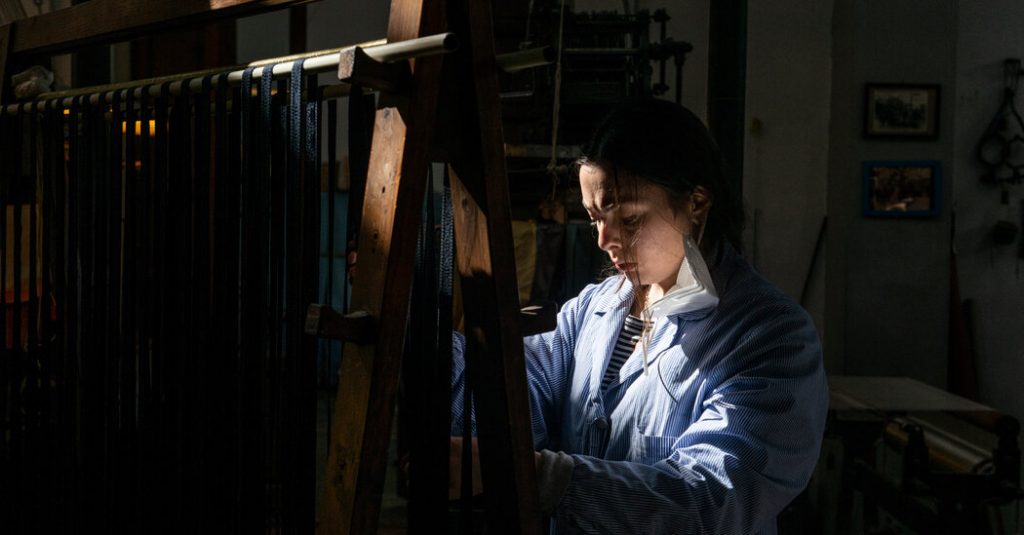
[(685, 394)]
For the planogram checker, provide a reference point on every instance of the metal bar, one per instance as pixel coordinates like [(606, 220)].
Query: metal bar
[(316, 62), (525, 59), (601, 51), (511, 62)]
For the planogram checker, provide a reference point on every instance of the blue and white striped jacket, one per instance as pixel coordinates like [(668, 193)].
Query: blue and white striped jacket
[(719, 435)]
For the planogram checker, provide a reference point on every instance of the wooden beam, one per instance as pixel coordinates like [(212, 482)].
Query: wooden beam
[(107, 21), (485, 256), (396, 184), (356, 67), (357, 327)]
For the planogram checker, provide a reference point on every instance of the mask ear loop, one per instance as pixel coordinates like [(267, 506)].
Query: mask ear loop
[(700, 233), (646, 314)]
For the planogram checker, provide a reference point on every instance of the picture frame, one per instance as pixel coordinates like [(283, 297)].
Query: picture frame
[(901, 111), (901, 189)]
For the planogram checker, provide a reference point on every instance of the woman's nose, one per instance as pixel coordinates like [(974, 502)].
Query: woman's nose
[(607, 237)]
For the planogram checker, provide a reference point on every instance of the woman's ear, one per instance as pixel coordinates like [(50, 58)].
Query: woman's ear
[(700, 204)]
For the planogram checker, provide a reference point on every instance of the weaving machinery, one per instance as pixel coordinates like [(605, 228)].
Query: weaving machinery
[(598, 60), (919, 457), (158, 364)]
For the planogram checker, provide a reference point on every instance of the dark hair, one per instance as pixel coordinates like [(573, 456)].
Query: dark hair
[(665, 144)]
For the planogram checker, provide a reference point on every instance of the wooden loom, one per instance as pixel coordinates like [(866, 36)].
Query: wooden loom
[(396, 182), (424, 115)]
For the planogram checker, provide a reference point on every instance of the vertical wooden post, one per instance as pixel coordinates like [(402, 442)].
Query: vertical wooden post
[(486, 265), (468, 128), (396, 182)]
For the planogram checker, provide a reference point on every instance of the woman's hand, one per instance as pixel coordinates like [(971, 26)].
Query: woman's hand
[(351, 256)]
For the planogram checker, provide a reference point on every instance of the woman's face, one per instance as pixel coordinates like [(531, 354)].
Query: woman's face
[(636, 226)]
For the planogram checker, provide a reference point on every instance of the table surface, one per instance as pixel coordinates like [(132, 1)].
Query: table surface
[(894, 394)]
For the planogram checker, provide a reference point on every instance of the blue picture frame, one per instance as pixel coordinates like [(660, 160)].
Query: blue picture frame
[(901, 189)]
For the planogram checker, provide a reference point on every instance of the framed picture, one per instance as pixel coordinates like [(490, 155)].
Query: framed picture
[(897, 111), (901, 189)]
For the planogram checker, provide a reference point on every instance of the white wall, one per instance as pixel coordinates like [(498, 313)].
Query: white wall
[(888, 279), (262, 36), (329, 24), (785, 169), (990, 275)]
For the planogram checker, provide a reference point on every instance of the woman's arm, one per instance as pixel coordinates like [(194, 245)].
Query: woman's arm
[(548, 358), (751, 451)]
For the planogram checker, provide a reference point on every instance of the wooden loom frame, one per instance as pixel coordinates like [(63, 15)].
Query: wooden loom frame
[(420, 99), (396, 184)]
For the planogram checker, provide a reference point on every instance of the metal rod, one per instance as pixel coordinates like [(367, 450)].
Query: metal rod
[(320, 61), (525, 59), (601, 51), (316, 62)]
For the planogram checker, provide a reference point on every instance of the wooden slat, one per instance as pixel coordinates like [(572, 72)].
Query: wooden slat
[(356, 67), (484, 251), (360, 431), (324, 321), (106, 21)]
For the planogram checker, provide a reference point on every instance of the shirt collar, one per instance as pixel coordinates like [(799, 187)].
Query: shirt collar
[(721, 261)]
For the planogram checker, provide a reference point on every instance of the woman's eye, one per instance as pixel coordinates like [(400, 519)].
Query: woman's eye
[(631, 221)]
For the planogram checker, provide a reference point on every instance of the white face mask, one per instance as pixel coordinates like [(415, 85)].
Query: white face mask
[(694, 290)]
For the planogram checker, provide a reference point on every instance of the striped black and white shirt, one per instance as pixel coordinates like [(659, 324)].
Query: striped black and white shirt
[(629, 336)]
